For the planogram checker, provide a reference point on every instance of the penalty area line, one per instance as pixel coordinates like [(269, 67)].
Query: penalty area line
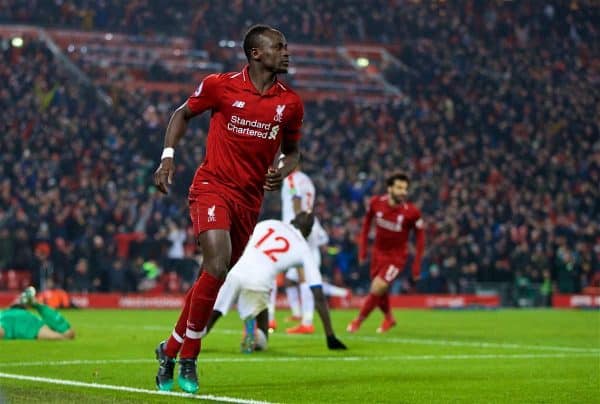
[(74, 383)]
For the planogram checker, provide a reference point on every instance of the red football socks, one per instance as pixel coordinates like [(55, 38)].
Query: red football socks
[(176, 339), (369, 304), (384, 305), (201, 305)]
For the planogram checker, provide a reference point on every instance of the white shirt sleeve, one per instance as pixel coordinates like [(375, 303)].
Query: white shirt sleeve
[(312, 275)]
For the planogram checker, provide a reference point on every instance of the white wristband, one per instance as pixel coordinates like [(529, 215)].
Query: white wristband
[(168, 153)]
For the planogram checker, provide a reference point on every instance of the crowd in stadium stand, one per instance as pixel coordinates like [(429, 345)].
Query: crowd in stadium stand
[(495, 126)]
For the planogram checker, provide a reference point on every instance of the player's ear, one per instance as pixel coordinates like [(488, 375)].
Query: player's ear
[(255, 54)]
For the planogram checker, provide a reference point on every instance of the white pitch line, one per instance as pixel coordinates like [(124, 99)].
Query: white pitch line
[(418, 341), (400, 340), (75, 383), (247, 359)]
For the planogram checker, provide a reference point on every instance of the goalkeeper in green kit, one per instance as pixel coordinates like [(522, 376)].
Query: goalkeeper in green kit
[(17, 322)]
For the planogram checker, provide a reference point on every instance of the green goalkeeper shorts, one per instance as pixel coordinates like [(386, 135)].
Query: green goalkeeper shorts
[(20, 324)]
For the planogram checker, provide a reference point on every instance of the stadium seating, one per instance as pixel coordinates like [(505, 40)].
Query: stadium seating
[(492, 117)]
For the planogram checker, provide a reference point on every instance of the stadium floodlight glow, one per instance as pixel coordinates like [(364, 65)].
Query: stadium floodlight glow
[(71, 48), (231, 44), (17, 42), (108, 36), (222, 43), (362, 62)]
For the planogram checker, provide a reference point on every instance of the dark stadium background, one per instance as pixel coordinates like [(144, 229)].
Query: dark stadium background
[(491, 107)]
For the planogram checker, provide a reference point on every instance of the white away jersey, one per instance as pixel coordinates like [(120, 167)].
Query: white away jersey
[(296, 185), (274, 247)]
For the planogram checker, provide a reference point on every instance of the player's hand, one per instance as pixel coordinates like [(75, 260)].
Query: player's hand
[(334, 343), (163, 176), (273, 180)]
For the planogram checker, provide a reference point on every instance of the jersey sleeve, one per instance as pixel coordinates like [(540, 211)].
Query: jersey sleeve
[(292, 128), (419, 223), (363, 240), (206, 95), (312, 275)]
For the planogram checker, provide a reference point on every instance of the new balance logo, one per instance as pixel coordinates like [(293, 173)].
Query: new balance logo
[(211, 214), (238, 104)]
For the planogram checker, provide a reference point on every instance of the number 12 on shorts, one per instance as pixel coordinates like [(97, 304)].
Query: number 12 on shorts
[(282, 245)]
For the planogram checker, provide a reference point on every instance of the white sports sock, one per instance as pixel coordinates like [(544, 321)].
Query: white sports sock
[(308, 304), (293, 300), (272, 300), (332, 290)]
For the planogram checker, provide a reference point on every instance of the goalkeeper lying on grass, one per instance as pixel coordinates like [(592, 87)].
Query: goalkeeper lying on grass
[(17, 322)]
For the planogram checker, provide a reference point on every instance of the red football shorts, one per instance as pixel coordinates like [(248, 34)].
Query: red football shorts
[(210, 210), (387, 268)]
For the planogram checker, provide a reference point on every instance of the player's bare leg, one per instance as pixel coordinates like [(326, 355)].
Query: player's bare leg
[(378, 288)]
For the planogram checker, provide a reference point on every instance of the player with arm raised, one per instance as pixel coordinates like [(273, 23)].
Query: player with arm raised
[(394, 219), (273, 247), (253, 117)]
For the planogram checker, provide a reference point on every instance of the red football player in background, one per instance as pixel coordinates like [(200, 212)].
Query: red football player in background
[(394, 219)]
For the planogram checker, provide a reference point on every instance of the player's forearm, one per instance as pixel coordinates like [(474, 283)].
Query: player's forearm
[(288, 162), (297, 203), (177, 127), (322, 309)]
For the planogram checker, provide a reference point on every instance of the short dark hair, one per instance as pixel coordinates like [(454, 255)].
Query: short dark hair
[(251, 37), (397, 177)]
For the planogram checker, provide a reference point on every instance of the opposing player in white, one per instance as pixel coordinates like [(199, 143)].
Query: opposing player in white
[(273, 247), (298, 195)]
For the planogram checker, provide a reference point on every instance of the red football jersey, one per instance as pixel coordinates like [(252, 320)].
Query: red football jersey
[(393, 225), (245, 132)]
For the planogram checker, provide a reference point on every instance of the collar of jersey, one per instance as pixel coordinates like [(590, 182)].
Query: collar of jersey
[(273, 90)]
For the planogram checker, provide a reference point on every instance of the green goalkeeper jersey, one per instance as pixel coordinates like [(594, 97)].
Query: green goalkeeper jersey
[(20, 324)]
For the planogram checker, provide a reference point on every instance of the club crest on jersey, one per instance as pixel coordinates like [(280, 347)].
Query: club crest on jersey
[(211, 214), (279, 113)]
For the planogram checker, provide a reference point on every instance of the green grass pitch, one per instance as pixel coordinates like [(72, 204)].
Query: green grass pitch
[(516, 356)]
